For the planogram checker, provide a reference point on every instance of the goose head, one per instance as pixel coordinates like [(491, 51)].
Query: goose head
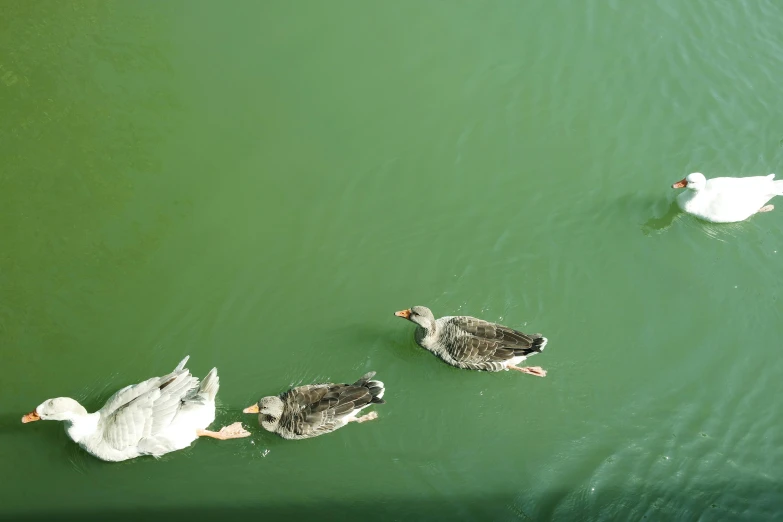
[(59, 409), (269, 410), (420, 315), (693, 181)]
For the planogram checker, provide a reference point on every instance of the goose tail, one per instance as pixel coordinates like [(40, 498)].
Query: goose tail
[(209, 386), (539, 343), (537, 346), (377, 388)]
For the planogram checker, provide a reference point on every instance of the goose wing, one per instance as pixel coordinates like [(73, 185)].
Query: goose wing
[(322, 408), (475, 341), (143, 410)]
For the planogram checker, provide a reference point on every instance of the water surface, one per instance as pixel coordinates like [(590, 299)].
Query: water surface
[(262, 184)]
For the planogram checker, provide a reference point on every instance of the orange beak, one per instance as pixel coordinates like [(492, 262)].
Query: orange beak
[(405, 314), (681, 184), (31, 417), (251, 409)]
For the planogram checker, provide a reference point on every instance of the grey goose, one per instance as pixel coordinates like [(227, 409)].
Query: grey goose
[(474, 344), (308, 411)]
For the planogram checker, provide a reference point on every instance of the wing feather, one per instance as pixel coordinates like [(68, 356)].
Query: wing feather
[(474, 341), (320, 409), (148, 413)]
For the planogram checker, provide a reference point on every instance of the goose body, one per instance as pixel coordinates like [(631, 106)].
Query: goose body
[(154, 417), (474, 344), (308, 411), (727, 200)]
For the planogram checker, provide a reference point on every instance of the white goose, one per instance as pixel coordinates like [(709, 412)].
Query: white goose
[(726, 200), (154, 417)]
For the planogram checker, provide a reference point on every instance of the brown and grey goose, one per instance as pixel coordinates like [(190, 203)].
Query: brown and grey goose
[(474, 344), (316, 409)]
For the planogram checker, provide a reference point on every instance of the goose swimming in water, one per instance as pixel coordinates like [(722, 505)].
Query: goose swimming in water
[(154, 417), (316, 409), (727, 200), (474, 344)]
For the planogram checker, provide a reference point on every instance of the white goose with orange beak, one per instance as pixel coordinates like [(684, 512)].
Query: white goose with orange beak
[(727, 200), (154, 417)]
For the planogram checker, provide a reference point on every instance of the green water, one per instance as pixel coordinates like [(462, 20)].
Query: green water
[(262, 184)]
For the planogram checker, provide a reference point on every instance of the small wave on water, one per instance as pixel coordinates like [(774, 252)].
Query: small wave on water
[(688, 452)]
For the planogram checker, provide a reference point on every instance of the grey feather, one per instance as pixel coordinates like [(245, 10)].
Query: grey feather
[(315, 409)]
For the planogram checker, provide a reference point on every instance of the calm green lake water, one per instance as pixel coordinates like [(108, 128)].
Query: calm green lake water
[(262, 184)]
